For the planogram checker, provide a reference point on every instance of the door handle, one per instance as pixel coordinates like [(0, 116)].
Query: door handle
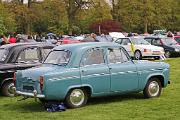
[(110, 68), (83, 70)]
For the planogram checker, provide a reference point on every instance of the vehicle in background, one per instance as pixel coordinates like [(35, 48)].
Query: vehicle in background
[(104, 38), (177, 39), (74, 73), (116, 35), (19, 56), (138, 48), (68, 40), (171, 47)]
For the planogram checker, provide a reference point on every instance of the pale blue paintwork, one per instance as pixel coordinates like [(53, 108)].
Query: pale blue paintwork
[(102, 79)]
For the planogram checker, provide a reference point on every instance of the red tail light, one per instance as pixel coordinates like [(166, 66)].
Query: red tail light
[(41, 80), (14, 79)]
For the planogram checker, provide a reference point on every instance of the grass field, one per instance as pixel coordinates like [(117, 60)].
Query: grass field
[(126, 107)]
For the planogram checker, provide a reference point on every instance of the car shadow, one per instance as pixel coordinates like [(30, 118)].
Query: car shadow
[(29, 105), (26, 106), (119, 98)]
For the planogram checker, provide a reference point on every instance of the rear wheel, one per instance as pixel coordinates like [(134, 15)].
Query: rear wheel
[(167, 54), (138, 55), (7, 89), (76, 98), (153, 88)]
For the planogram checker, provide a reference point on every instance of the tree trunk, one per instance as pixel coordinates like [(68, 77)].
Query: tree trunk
[(145, 16), (71, 15)]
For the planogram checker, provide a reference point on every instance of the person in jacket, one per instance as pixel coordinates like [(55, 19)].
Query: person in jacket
[(12, 39)]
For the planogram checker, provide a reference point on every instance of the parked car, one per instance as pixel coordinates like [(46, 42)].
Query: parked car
[(68, 40), (171, 47), (19, 56), (138, 48), (177, 39), (75, 72)]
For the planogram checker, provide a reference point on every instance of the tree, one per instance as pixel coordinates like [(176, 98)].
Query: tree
[(105, 27)]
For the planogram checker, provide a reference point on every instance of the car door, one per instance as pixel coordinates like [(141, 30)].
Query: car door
[(94, 70), (28, 57), (124, 76)]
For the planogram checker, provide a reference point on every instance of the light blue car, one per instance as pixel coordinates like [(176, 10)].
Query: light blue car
[(75, 72)]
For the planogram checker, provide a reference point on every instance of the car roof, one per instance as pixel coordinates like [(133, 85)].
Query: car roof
[(76, 46), (9, 46)]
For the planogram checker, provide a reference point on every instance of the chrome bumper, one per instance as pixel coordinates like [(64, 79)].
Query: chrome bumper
[(34, 94)]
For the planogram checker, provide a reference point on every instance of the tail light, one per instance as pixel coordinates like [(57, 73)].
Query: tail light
[(14, 79), (41, 80), (147, 50)]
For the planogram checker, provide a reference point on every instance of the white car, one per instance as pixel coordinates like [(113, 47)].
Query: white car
[(139, 48)]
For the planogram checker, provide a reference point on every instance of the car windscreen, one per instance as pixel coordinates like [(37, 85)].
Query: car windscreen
[(169, 41), (139, 41), (59, 57), (3, 54)]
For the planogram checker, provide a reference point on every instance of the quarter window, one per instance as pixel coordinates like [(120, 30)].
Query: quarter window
[(117, 55), (93, 56)]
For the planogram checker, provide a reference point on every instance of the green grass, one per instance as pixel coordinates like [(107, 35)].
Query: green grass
[(133, 106)]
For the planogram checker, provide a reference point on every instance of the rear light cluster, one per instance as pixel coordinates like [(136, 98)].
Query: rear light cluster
[(14, 79), (147, 50), (41, 80)]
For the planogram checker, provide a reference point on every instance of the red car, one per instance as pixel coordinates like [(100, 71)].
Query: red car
[(177, 39), (68, 40)]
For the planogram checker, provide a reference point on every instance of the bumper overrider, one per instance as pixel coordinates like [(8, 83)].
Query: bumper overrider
[(33, 94)]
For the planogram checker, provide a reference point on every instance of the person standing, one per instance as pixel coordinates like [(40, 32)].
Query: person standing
[(12, 39)]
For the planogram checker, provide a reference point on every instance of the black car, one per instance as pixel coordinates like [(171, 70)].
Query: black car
[(19, 56), (171, 47)]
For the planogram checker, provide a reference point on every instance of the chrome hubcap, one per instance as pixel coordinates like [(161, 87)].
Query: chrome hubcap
[(137, 55), (153, 88), (77, 97), (10, 90), (167, 54)]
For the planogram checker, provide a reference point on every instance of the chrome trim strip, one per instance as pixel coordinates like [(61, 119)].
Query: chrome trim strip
[(30, 94), (62, 78), (100, 74)]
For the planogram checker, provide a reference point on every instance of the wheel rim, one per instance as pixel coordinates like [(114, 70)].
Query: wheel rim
[(10, 90), (77, 97), (137, 55), (153, 88), (167, 54)]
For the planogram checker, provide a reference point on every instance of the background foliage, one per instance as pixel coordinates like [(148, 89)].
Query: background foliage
[(68, 17)]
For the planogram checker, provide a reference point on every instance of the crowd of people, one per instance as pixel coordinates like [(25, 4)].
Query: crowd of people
[(7, 40)]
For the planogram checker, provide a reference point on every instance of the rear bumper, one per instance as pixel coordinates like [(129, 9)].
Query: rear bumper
[(27, 94)]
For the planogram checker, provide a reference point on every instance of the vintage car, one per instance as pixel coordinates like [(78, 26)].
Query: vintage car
[(138, 48), (19, 56), (75, 72)]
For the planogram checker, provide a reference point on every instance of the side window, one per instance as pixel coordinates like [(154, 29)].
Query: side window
[(148, 39), (125, 42), (28, 55), (156, 42), (119, 41), (45, 52), (117, 55), (93, 56)]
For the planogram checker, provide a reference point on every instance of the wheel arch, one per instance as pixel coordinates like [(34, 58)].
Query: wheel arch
[(84, 87), (160, 77)]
